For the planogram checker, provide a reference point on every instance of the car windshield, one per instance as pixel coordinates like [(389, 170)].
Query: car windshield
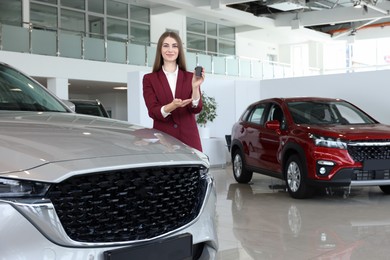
[(327, 112), (20, 93)]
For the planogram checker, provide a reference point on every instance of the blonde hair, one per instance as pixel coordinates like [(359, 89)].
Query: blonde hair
[(180, 61)]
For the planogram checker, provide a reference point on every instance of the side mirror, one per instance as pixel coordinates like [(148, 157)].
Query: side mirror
[(274, 125), (70, 105)]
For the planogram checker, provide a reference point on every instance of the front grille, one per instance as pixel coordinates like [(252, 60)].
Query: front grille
[(128, 205), (360, 175), (360, 151)]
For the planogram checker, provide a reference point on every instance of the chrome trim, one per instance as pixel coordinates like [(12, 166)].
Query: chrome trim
[(369, 144), (370, 183)]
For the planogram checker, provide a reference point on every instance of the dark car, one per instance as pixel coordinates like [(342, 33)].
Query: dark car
[(89, 107), (311, 142)]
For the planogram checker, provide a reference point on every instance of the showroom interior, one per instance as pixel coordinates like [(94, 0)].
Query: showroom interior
[(251, 50)]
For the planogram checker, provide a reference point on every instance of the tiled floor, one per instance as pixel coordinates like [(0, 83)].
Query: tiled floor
[(261, 221)]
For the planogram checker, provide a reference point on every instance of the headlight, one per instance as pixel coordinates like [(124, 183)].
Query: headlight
[(328, 142), (202, 156), (11, 188)]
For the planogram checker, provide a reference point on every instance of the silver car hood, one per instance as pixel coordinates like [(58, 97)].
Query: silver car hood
[(53, 146)]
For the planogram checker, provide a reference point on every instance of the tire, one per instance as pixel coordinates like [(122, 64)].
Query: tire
[(296, 178), (385, 189), (240, 172)]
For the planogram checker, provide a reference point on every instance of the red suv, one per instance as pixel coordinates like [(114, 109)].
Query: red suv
[(311, 142)]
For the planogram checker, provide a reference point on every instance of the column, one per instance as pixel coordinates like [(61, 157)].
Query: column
[(59, 87)]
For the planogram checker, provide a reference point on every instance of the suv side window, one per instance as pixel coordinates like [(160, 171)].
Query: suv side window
[(276, 113), (256, 114)]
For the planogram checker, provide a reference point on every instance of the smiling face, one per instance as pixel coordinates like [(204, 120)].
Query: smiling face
[(169, 49)]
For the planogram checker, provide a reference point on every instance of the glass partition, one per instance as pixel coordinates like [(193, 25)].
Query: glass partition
[(191, 61), (70, 45), (14, 38), (150, 55), (232, 66), (136, 54), (44, 42), (94, 49), (268, 71), (245, 68), (116, 52), (257, 69), (219, 65), (205, 61)]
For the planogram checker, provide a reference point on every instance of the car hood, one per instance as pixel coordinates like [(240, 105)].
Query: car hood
[(353, 132), (50, 146)]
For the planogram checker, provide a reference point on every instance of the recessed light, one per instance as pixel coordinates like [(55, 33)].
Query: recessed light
[(120, 88)]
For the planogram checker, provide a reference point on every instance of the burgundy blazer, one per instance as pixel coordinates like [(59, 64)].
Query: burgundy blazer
[(181, 123)]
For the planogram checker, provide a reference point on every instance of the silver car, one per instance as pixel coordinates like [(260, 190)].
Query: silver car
[(79, 187)]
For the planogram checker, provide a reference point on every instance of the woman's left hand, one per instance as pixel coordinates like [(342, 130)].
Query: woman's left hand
[(197, 81)]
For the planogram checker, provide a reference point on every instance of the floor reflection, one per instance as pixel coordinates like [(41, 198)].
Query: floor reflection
[(261, 221)]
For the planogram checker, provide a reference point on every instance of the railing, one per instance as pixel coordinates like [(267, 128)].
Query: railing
[(90, 46)]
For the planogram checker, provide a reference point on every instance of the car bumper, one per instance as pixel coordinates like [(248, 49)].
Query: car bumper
[(355, 177), (22, 239)]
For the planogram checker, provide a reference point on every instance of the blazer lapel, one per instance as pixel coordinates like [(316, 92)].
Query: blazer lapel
[(166, 89)]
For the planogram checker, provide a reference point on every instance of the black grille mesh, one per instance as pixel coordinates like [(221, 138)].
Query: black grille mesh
[(128, 204), (361, 153), (360, 175)]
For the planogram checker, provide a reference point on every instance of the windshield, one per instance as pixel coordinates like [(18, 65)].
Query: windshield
[(327, 112), (20, 93)]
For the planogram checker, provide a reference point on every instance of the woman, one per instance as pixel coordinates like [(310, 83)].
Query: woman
[(172, 94)]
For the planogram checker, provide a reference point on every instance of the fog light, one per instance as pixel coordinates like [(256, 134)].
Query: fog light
[(324, 168)]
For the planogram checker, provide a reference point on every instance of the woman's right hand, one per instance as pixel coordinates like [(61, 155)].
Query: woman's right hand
[(181, 103), (177, 102)]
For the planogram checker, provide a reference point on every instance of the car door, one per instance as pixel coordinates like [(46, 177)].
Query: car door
[(270, 140), (253, 127)]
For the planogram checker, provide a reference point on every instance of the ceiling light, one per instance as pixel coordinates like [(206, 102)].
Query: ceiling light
[(120, 88)]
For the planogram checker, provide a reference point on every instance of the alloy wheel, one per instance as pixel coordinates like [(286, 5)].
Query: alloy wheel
[(237, 165), (293, 176)]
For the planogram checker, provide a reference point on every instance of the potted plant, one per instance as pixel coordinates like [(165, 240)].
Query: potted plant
[(208, 113)]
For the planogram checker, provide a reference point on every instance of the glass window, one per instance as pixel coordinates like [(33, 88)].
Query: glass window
[(117, 9), (220, 38), (139, 14), (227, 47), (96, 26), (194, 25), (78, 4), (140, 33), (96, 6), (212, 46), (256, 115), (43, 16), (226, 32), (11, 12), (212, 29), (196, 42), (116, 29), (72, 20), (122, 21)]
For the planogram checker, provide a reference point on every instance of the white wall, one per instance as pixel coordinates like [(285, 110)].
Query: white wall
[(136, 109), (253, 46), (168, 20)]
